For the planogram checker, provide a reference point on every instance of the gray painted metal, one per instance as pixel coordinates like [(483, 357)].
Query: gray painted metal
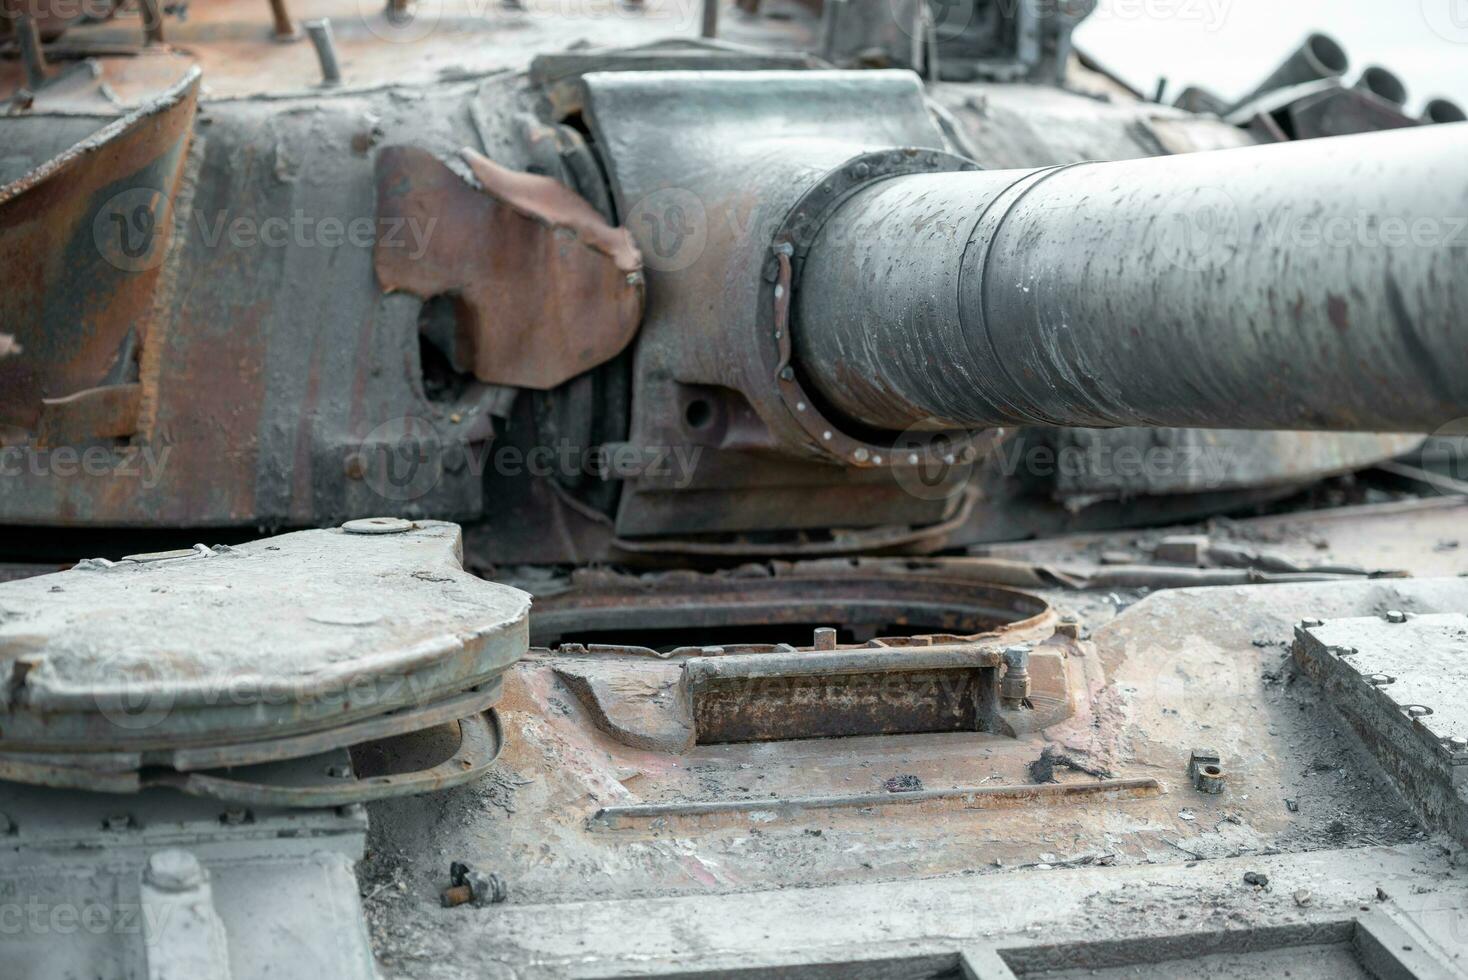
[(1398, 681), (1235, 289), (294, 634), (1318, 56), (92, 886)]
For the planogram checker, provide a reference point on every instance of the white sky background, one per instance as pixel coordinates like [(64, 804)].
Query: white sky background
[(1229, 46)]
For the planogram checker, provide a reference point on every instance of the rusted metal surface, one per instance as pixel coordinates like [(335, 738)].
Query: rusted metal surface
[(691, 816), (667, 662), (703, 212), (86, 236), (876, 602), (53, 17), (109, 412), (480, 742), (766, 697), (544, 288)]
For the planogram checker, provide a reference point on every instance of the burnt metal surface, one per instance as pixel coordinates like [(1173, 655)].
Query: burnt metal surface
[(704, 216), (543, 288), (764, 697), (1033, 336), (840, 768), (188, 651), (90, 232), (1182, 669)]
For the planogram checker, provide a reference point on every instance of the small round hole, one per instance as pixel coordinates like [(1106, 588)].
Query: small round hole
[(1212, 771), (698, 414)]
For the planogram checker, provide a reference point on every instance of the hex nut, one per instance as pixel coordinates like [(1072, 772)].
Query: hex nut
[(1205, 768), (174, 870)]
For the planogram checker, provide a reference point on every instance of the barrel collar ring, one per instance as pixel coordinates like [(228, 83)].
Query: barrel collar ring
[(781, 276)]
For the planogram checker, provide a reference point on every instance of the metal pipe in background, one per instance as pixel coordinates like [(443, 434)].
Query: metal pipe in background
[(285, 28), (1383, 84), (31, 52), (710, 18), (1318, 56), (1309, 285), (152, 14), (1443, 111), (320, 33)]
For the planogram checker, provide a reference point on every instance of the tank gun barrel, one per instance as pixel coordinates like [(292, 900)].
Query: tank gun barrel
[(1316, 285)]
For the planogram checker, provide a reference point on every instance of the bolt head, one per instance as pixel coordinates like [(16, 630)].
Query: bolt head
[(1395, 616), (1457, 743), (174, 870)]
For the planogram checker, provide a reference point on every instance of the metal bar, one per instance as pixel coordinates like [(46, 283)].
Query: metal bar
[(152, 12), (710, 18), (819, 663), (285, 28), (320, 32), (31, 52), (973, 797), (1313, 285)]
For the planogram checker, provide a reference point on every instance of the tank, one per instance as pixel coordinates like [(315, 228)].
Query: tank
[(772, 489)]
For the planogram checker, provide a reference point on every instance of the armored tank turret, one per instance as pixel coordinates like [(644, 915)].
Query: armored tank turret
[(773, 488)]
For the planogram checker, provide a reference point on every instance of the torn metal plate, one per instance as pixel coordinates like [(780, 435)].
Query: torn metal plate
[(294, 634)]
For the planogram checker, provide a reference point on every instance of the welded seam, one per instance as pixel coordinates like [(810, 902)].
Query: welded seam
[(1039, 177)]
